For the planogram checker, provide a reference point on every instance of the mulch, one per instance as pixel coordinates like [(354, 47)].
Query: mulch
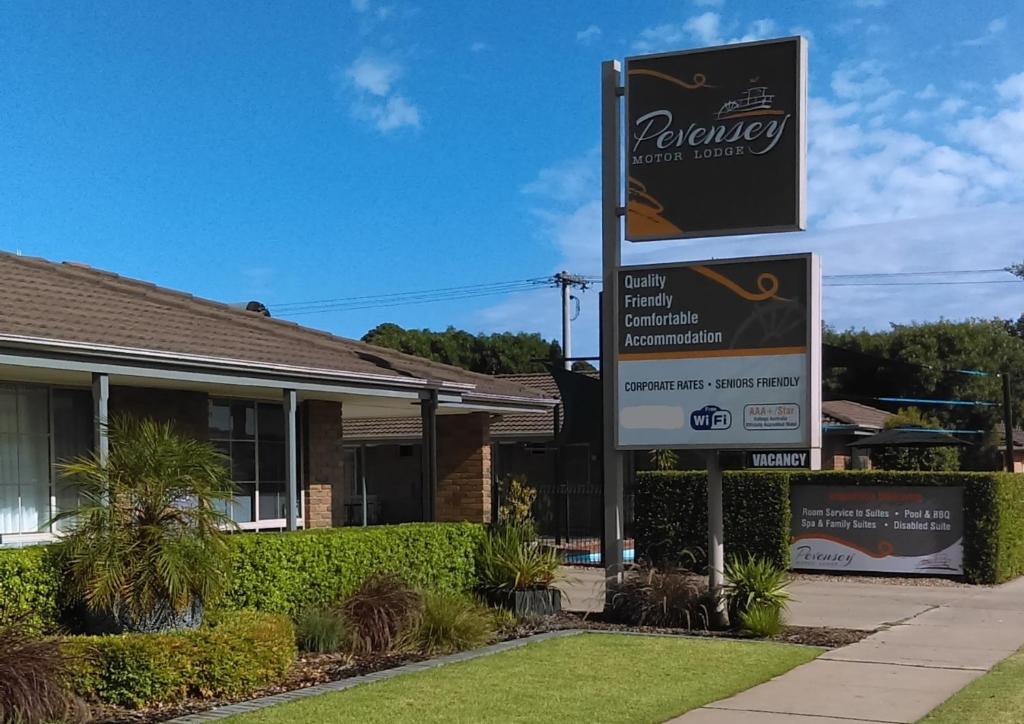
[(313, 669)]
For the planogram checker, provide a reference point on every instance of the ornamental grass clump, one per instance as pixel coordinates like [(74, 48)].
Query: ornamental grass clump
[(322, 631), (755, 582), (452, 622), (379, 612), (672, 599), (146, 549), (509, 560), (35, 679)]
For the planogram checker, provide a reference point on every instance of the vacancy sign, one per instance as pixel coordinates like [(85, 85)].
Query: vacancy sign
[(715, 141), (720, 354)]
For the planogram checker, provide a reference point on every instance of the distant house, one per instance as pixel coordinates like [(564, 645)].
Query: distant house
[(567, 477), (78, 345)]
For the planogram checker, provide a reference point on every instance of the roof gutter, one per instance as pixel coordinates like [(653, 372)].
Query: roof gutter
[(229, 365)]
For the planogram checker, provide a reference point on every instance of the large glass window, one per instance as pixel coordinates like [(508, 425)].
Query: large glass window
[(251, 434), (27, 479)]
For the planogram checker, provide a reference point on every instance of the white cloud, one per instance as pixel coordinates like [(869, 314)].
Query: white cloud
[(758, 30), (928, 92), (479, 47), (1000, 133), (860, 80), (992, 30), (706, 28), (570, 181), (373, 75), (952, 105), (374, 98), (588, 35)]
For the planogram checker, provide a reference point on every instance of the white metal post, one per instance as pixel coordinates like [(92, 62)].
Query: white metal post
[(611, 257), (101, 415), (291, 407), (716, 542)]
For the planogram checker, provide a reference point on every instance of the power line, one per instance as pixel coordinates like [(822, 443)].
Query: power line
[(485, 289)]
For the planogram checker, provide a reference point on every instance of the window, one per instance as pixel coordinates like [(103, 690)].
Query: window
[(252, 435), (27, 480)]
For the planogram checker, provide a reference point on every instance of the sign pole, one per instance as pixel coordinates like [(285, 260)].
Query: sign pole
[(716, 542), (611, 257)]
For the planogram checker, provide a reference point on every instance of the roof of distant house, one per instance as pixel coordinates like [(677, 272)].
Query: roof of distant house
[(76, 308), (847, 412)]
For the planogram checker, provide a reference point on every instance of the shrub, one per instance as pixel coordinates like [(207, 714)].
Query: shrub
[(30, 588), (762, 620), (379, 611), (34, 679), (322, 631), (674, 599), (452, 622), (509, 561), (753, 582), (146, 544), (671, 516), (231, 655), (517, 506), (304, 570)]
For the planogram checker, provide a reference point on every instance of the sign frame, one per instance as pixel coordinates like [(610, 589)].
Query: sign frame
[(800, 222), (812, 400)]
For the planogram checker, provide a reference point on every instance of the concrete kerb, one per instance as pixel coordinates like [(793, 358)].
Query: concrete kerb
[(243, 707)]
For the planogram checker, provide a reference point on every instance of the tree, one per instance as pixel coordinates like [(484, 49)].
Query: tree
[(146, 548), (493, 354), (944, 360), (1016, 269), (915, 458)]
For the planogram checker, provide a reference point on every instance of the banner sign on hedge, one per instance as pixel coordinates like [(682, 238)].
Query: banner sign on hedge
[(716, 141), (878, 529), (720, 354)]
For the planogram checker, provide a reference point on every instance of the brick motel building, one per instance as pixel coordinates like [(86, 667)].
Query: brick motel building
[(78, 345)]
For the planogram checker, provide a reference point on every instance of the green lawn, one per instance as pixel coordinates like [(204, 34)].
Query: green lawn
[(995, 698), (584, 678)]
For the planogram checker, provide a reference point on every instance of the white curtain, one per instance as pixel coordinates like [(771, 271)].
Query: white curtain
[(24, 459)]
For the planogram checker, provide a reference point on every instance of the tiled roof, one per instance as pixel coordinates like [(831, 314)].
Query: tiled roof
[(847, 412), (71, 302)]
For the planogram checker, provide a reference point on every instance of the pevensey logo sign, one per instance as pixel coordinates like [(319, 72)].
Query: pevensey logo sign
[(716, 141)]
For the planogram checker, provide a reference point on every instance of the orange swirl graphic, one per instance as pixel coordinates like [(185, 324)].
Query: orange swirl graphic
[(699, 79), (767, 284)]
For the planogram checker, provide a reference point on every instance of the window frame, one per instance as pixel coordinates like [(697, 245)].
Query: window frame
[(257, 523)]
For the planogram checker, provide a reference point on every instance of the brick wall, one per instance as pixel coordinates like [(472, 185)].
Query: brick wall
[(188, 410), (325, 489), (464, 467)]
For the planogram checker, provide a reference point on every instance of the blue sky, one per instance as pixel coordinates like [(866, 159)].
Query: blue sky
[(299, 151)]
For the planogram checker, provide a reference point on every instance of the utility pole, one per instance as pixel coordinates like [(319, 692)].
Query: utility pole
[(1008, 420), (567, 281)]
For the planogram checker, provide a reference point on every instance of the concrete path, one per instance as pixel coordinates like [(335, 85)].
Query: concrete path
[(940, 639)]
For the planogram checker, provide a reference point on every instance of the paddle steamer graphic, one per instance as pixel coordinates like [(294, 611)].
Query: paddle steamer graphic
[(753, 101)]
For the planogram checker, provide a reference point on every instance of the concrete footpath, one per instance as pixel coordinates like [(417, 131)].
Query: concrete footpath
[(930, 642)]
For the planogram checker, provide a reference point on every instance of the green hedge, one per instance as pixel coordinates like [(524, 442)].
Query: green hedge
[(233, 655), (278, 572), (30, 588), (290, 572), (671, 514), (670, 521)]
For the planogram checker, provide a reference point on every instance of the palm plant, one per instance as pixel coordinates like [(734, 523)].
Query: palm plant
[(147, 545), (753, 583)]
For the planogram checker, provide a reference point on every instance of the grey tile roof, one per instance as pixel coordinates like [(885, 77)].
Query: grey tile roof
[(71, 302)]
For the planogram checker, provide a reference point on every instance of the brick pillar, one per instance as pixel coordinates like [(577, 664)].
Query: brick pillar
[(464, 467), (324, 482)]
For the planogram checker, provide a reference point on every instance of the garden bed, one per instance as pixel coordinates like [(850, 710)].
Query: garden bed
[(312, 669)]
